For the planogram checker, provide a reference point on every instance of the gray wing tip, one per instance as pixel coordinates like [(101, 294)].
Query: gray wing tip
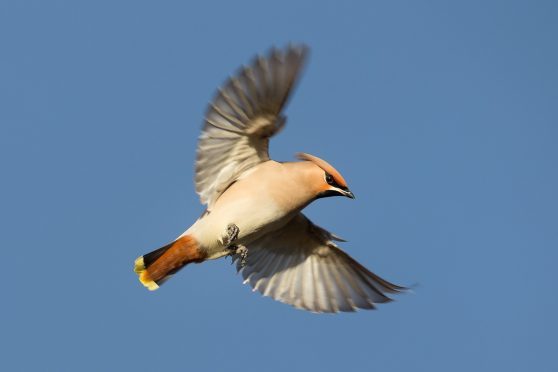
[(292, 54), (293, 57), (292, 48)]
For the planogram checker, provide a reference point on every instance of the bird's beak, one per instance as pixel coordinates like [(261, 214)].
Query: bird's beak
[(348, 194), (336, 192)]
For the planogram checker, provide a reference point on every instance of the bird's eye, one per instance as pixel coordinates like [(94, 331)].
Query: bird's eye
[(329, 179)]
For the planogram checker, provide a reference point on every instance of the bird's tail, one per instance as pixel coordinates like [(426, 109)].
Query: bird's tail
[(157, 266)]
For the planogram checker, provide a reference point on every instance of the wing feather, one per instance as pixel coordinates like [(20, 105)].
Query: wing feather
[(301, 265), (242, 117)]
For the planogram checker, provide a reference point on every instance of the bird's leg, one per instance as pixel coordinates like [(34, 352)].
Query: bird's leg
[(230, 235), (228, 239)]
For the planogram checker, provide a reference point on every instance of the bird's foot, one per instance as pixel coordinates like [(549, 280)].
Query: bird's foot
[(235, 249), (242, 251), (230, 235)]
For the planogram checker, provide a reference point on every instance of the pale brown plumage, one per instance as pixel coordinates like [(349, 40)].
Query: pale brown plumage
[(289, 258)]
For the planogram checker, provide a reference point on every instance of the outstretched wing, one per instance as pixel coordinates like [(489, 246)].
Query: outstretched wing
[(242, 117), (301, 266)]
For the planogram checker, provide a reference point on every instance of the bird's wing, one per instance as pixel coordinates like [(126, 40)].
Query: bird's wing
[(242, 117), (302, 266)]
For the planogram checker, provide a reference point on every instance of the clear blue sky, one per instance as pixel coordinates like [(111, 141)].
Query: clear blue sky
[(442, 117)]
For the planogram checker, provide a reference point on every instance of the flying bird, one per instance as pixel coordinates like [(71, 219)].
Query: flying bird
[(254, 203)]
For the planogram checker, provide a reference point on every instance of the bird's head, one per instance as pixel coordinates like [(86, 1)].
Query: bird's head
[(328, 181)]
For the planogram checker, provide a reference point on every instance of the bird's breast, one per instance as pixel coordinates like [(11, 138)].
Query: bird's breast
[(261, 201)]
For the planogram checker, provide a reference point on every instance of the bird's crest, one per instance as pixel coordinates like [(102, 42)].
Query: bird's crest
[(325, 166)]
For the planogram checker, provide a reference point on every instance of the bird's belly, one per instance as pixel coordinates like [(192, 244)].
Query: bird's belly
[(254, 218)]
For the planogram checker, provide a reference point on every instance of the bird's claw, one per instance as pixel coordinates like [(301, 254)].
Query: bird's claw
[(231, 234), (242, 251), (235, 249)]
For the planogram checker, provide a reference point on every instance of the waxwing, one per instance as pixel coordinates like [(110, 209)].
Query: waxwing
[(254, 203)]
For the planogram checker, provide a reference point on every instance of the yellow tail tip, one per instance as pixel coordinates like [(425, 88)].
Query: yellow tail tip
[(139, 268)]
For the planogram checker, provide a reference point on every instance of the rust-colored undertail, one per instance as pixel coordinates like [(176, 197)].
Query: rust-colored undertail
[(157, 266)]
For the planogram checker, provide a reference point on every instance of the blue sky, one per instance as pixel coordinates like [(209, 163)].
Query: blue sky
[(442, 116)]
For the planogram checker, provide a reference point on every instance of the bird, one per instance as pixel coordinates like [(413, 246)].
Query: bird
[(254, 204)]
